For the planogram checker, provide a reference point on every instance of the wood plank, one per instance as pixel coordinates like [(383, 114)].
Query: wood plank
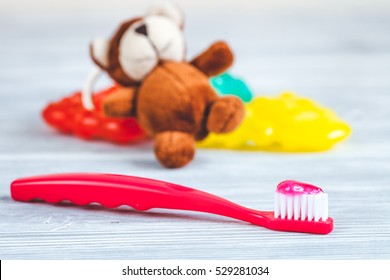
[(343, 63)]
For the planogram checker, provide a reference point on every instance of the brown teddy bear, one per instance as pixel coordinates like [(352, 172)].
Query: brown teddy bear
[(171, 98)]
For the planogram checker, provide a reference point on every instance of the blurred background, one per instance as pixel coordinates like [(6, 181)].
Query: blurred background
[(337, 52), (276, 42)]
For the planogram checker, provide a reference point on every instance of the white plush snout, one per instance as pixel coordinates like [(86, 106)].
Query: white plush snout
[(166, 37), (146, 42), (137, 55)]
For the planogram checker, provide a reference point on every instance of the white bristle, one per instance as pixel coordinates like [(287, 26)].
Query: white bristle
[(290, 200), (277, 205), (283, 205), (297, 207), (317, 207), (324, 206), (304, 207), (312, 207)]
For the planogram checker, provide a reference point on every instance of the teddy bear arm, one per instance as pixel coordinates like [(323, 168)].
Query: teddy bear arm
[(121, 103), (215, 60), (225, 114)]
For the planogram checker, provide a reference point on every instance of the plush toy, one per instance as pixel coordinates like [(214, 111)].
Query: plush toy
[(171, 98)]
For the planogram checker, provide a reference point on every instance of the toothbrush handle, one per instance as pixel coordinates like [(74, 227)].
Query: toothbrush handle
[(140, 193)]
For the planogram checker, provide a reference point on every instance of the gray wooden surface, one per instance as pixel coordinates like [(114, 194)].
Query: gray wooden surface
[(342, 60)]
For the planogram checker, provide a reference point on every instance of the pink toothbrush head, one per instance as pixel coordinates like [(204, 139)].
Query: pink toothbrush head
[(300, 201), (299, 207)]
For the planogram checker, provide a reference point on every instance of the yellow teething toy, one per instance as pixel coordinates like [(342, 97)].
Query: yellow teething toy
[(284, 123)]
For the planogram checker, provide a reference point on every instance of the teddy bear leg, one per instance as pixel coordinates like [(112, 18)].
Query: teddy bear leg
[(174, 149), (226, 113)]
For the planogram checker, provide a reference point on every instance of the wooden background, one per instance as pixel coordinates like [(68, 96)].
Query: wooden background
[(341, 58)]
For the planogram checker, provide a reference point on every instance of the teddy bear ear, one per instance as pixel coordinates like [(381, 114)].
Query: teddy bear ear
[(168, 9), (99, 52)]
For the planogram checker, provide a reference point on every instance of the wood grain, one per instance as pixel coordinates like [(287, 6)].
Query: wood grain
[(341, 61)]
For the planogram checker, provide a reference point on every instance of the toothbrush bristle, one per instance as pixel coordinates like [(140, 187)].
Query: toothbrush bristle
[(296, 202)]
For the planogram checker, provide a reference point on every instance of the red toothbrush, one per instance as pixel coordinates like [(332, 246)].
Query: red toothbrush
[(299, 207)]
